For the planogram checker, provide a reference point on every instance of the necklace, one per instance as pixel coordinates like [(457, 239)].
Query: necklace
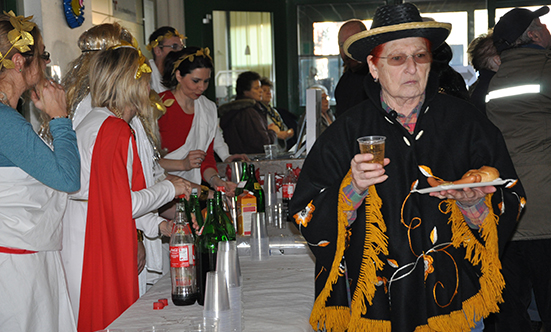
[(4, 99)]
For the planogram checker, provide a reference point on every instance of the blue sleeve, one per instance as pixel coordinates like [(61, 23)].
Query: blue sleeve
[(20, 146)]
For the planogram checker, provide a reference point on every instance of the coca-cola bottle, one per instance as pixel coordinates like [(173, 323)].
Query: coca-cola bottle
[(207, 248), (182, 259), (288, 189), (223, 215)]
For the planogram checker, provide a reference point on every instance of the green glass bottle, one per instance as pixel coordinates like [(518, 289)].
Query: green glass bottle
[(254, 186), (243, 180), (207, 247), (194, 211), (223, 216)]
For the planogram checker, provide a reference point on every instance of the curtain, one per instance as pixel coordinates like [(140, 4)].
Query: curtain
[(251, 42)]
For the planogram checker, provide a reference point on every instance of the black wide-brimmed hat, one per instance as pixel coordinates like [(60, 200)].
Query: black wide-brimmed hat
[(393, 22), (513, 24)]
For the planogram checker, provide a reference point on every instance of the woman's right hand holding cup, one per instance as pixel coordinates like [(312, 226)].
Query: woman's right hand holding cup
[(366, 173)]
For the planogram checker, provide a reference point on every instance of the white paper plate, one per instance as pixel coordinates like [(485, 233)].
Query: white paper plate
[(496, 182)]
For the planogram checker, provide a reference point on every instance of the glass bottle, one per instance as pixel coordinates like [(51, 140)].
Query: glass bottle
[(207, 247), (288, 188), (182, 259), (194, 210), (254, 187), (223, 215), (243, 180)]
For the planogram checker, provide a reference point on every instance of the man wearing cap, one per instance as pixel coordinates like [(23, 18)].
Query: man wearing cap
[(392, 252), (350, 89), (519, 104)]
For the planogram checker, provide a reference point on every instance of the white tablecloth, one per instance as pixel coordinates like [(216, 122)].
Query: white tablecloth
[(278, 295)]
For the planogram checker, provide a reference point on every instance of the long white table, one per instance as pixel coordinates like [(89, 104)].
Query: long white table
[(278, 295)]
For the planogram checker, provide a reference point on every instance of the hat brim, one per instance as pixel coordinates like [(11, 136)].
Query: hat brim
[(359, 46)]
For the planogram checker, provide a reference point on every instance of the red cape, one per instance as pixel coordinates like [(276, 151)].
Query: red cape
[(110, 273)]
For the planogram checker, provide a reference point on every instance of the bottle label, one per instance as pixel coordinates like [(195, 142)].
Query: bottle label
[(288, 190), (241, 184), (257, 186), (182, 255)]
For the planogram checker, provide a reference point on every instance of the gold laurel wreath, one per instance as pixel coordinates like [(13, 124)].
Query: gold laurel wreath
[(20, 37), (167, 35), (204, 52)]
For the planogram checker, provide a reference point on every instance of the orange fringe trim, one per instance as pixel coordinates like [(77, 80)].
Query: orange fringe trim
[(334, 318), (376, 242)]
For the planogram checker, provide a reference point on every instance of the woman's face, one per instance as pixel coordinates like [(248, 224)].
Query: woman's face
[(35, 71), (407, 80), (193, 84), (266, 94), (255, 92)]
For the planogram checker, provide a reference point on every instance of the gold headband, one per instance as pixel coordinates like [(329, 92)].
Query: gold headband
[(204, 52), (143, 66), (19, 37), (167, 35)]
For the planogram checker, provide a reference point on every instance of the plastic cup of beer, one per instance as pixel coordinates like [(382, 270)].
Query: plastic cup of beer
[(374, 145)]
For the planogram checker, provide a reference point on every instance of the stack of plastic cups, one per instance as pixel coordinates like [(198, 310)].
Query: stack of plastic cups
[(217, 303), (271, 197), (227, 263), (260, 243)]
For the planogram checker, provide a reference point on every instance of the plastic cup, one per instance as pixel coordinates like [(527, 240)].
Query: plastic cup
[(216, 294), (374, 145), (260, 244), (227, 263), (271, 151)]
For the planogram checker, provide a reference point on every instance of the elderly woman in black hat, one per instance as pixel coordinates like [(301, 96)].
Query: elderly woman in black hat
[(389, 255)]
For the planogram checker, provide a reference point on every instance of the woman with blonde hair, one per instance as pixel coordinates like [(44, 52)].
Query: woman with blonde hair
[(33, 182), (78, 83), (114, 191)]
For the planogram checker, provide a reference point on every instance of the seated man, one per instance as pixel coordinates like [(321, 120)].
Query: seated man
[(244, 120)]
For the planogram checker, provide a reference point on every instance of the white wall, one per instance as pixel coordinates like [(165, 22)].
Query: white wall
[(61, 41)]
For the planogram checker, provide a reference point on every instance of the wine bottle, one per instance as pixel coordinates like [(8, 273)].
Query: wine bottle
[(254, 187), (223, 216), (207, 247)]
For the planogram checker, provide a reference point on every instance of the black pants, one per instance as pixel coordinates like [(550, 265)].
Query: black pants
[(526, 266)]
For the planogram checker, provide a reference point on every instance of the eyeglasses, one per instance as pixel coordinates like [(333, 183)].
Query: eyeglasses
[(45, 56), (400, 59), (174, 47)]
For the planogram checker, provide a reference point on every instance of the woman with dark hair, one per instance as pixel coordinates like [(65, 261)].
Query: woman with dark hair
[(190, 124), (244, 120), (34, 179)]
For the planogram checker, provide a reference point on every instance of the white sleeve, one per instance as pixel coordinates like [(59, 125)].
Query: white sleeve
[(149, 224), (148, 199), (219, 145)]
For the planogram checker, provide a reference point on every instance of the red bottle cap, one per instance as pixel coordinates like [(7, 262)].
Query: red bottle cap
[(158, 306), (221, 188), (164, 302), (182, 196)]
